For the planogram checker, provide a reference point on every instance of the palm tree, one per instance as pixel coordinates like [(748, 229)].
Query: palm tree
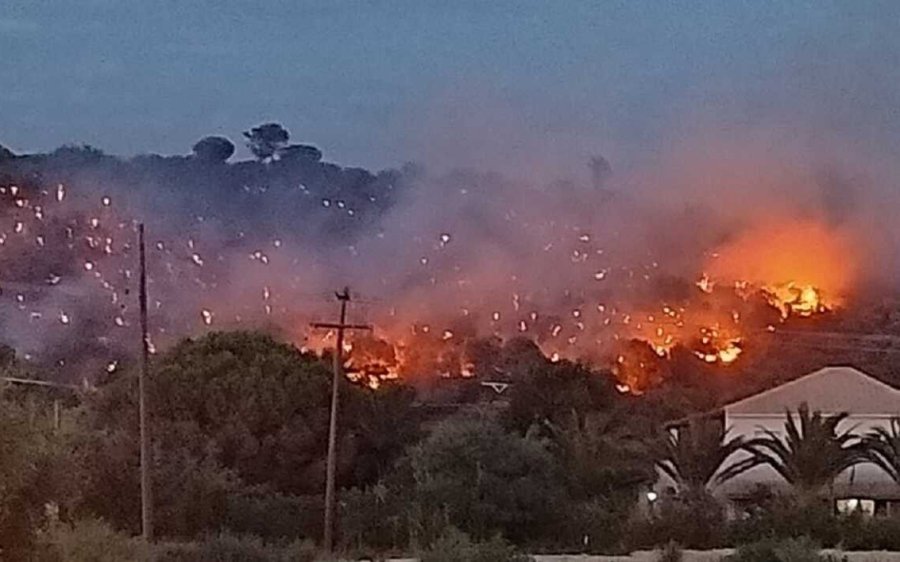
[(812, 453), (604, 455), (693, 457), (882, 448)]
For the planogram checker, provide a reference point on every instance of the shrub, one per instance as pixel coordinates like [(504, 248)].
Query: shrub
[(485, 480), (801, 549), (34, 472), (862, 533), (455, 546), (671, 553), (594, 526), (787, 517), (90, 540), (695, 521), (376, 517), (233, 548), (273, 516)]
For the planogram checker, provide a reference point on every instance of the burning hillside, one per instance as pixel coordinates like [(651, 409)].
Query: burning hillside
[(458, 261), (764, 278)]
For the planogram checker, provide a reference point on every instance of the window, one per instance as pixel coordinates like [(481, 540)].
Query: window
[(851, 505)]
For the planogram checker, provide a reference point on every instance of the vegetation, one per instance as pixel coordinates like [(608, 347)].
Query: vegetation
[(455, 546), (695, 454), (800, 549), (34, 478), (882, 447), (472, 474), (813, 451), (90, 540), (238, 424), (671, 553)]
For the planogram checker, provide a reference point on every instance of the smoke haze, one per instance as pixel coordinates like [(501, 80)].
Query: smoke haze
[(502, 228)]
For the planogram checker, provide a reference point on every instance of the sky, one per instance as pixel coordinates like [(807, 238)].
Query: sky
[(481, 84)]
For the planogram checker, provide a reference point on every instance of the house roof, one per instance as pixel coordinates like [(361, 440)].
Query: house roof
[(828, 390)]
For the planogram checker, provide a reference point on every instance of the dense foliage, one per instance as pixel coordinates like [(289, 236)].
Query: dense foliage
[(239, 421)]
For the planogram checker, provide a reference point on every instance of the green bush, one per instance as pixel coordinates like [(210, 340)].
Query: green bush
[(863, 533), (232, 548), (273, 516), (34, 471), (480, 478), (801, 549), (593, 526), (375, 518), (90, 540), (695, 521), (671, 553), (786, 517), (455, 546)]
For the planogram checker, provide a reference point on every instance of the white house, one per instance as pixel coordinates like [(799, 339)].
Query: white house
[(869, 402)]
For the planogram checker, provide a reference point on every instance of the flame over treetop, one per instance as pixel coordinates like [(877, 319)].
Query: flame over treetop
[(803, 267), (770, 274)]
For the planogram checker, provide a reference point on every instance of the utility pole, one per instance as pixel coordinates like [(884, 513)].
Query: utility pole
[(146, 490), (338, 373)]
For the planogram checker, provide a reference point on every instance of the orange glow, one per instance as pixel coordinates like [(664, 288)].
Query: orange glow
[(801, 267), (372, 360), (774, 270), (798, 268)]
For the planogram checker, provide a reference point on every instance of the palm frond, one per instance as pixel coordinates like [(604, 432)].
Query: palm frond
[(813, 450)]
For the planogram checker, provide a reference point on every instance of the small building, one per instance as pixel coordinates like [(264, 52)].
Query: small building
[(869, 402)]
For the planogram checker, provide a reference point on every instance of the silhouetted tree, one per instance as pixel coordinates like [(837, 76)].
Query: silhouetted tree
[(600, 171), (694, 456), (266, 140), (812, 453), (604, 456), (34, 470), (557, 393), (883, 448), (213, 149), (300, 152), (483, 480), (6, 154), (78, 155)]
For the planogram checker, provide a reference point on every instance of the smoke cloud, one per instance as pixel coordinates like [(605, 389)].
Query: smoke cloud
[(573, 245)]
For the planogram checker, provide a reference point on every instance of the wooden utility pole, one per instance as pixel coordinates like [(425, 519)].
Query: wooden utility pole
[(146, 489), (338, 373)]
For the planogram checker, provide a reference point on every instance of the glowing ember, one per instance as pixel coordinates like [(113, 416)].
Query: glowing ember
[(791, 299)]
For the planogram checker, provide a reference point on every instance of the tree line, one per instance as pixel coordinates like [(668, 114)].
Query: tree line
[(557, 463), (285, 187)]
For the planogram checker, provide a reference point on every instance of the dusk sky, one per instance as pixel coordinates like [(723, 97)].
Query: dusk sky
[(381, 83)]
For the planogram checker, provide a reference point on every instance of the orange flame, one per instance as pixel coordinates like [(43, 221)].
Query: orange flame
[(802, 268)]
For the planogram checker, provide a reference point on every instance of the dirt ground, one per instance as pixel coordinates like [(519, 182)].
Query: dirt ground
[(696, 556), (711, 556)]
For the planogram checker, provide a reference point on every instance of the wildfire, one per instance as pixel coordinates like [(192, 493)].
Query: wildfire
[(773, 272), (801, 268), (372, 360), (789, 298), (718, 348), (798, 269)]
